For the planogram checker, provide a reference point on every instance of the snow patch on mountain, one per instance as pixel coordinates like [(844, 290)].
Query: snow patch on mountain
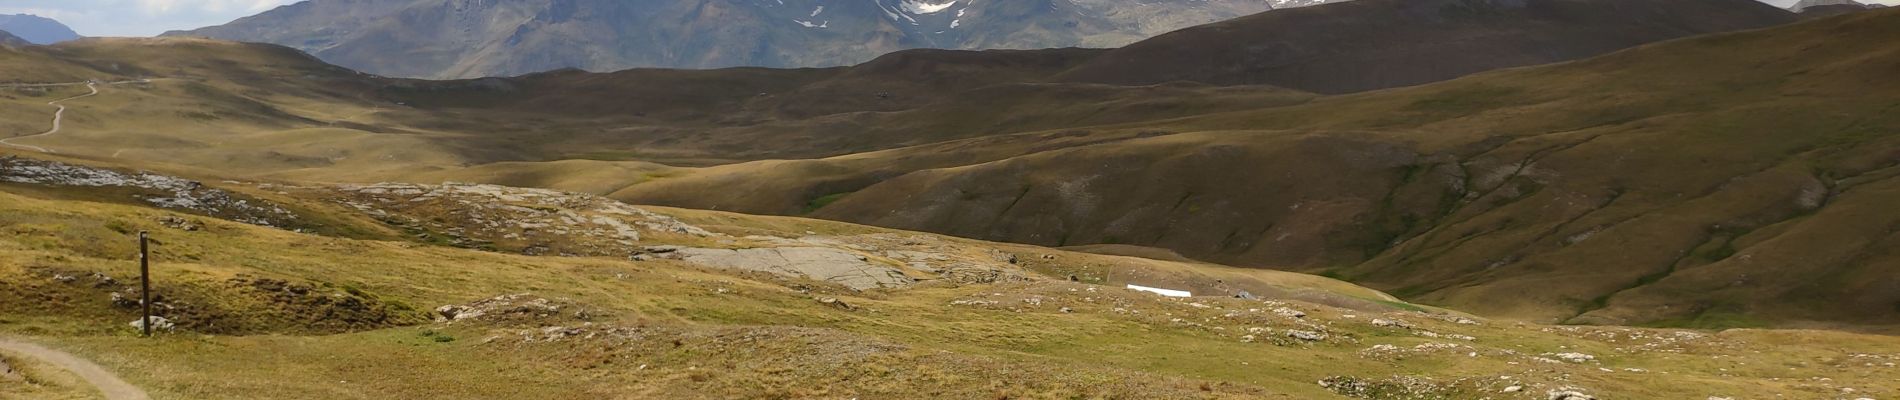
[(926, 7)]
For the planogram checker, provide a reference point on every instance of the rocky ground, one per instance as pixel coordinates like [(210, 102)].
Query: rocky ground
[(163, 191)]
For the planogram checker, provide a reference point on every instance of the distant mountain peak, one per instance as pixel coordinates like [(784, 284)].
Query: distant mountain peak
[(36, 29), (465, 39)]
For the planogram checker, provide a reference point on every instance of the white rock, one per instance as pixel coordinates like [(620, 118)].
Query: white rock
[(1306, 335), (1569, 394), (1391, 323), (158, 324), (1575, 357)]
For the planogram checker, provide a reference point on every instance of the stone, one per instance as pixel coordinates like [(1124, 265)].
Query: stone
[(1575, 357), (101, 280), (1306, 335), (449, 312), (120, 300), (1289, 313), (1391, 323), (835, 303), (177, 223), (1569, 394), (1513, 389), (158, 324)]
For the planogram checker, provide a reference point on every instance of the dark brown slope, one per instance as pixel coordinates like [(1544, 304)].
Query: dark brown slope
[(696, 117), (1374, 44), (1734, 180)]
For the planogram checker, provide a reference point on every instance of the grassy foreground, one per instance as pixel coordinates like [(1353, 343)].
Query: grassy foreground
[(270, 313)]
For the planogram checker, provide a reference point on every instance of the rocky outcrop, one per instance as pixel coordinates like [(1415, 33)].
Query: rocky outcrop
[(164, 191), (514, 309), (816, 263), (528, 221)]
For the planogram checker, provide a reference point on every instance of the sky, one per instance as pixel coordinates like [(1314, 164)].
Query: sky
[(138, 17), (152, 17)]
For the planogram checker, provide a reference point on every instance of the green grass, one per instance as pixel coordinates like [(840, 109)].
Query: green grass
[(822, 201)]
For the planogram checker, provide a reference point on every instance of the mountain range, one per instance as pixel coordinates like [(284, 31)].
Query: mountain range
[(1827, 8), (469, 38), (1372, 200), (36, 29)]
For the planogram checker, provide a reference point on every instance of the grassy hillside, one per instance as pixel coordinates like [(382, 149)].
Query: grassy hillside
[(1701, 182), (1632, 188), (1043, 324), (1362, 45)]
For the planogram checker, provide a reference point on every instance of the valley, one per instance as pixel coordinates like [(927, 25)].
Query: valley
[(438, 292), (1450, 199)]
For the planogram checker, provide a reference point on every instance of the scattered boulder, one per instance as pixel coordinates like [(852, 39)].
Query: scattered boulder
[(1569, 394), (1309, 336), (835, 303), (120, 300), (1289, 313), (519, 308), (1391, 323), (158, 324), (178, 223), (1574, 357), (101, 280)]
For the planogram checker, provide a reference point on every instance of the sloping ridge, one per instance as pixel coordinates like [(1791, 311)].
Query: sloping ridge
[(1730, 180), (36, 29), (1374, 44), (8, 40)]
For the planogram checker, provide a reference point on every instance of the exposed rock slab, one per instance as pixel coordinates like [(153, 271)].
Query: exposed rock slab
[(816, 263)]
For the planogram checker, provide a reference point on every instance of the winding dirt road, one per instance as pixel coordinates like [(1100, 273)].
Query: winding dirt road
[(58, 116), (108, 384)]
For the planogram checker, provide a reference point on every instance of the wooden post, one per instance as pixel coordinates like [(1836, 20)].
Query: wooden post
[(145, 283)]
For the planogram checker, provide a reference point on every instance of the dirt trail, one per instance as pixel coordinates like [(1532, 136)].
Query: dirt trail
[(57, 117), (108, 384)]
